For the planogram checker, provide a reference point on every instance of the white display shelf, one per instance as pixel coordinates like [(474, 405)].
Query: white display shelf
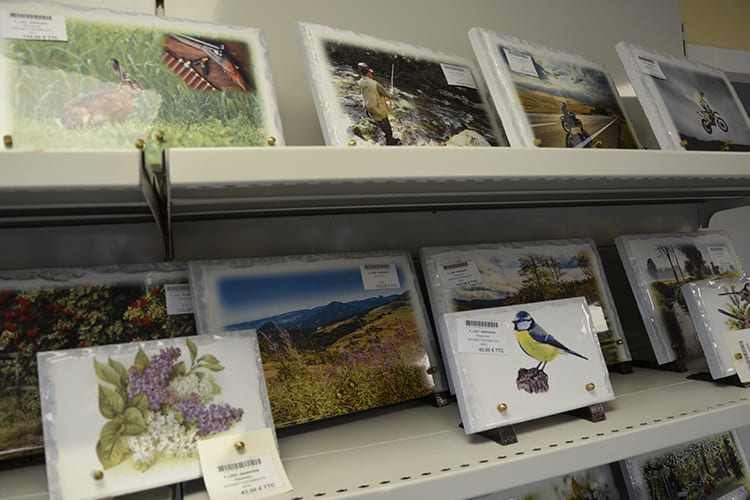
[(69, 185), (419, 451), (214, 182)]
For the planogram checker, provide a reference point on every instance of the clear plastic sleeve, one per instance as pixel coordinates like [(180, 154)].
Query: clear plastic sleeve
[(657, 265), (689, 105), (549, 98), (126, 417)]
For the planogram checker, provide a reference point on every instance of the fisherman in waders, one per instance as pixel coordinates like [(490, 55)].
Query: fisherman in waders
[(374, 98)]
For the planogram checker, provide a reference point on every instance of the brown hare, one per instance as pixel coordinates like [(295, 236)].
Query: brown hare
[(111, 105)]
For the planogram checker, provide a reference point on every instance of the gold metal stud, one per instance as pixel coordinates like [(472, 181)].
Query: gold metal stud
[(727, 146), (8, 141), (140, 144), (271, 141), (239, 445), (98, 475), (160, 135), (537, 142), (738, 356), (431, 370), (619, 342), (683, 143), (352, 143), (598, 144), (675, 345), (502, 407), (590, 386), (442, 143)]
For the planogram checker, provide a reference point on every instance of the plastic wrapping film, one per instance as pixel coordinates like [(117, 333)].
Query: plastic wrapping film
[(434, 98), (711, 467), (61, 308), (491, 367), (657, 265), (595, 483), (686, 101), (471, 277), (718, 307), (550, 98), (344, 328), (126, 417), (129, 76)]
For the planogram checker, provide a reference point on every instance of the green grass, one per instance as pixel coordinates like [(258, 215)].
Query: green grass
[(20, 421), (47, 75)]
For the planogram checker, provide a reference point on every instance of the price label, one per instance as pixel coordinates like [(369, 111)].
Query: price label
[(650, 67), (457, 274), (721, 257), (738, 342), (459, 76), (26, 26), (521, 63), (379, 276), (483, 336), (179, 299), (254, 471)]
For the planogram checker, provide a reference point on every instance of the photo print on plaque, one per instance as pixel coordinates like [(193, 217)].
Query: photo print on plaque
[(710, 467), (657, 266), (470, 277), (81, 78), (52, 309), (516, 363), (548, 98), (338, 333), (128, 417), (370, 91), (688, 104), (597, 483), (720, 310)]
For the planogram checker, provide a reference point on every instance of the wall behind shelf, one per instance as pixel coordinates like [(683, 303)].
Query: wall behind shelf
[(590, 28)]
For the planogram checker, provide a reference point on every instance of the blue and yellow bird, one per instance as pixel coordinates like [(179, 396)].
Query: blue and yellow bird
[(537, 343)]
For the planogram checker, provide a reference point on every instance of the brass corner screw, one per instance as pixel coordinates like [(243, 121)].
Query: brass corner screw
[(271, 141), (140, 144), (352, 143), (590, 386), (8, 141), (502, 407), (432, 370), (98, 475), (160, 135), (239, 445), (738, 356)]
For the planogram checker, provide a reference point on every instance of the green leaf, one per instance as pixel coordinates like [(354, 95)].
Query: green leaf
[(141, 360), (121, 371), (208, 359), (214, 367), (111, 447), (179, 368), (134, 422), (140, 401), (193, 350), (111, 404), (106, 374)]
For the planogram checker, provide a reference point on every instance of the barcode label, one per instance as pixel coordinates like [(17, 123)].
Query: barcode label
[(459, 274), (650, 67), (243, 464), (482, 324), (458, 265), (484, 336), (30, 16), (738, 343), (255, 471), (29, 26), (379, 276), (179, 298)]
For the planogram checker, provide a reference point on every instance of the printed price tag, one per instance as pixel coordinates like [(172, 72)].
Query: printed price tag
[(721, 257), (25, 26), (521, 63), (482, 336), (458, 76), (255, 471), (379, 276), (650, 67), (179, 299), (738, 342), (458, 274)]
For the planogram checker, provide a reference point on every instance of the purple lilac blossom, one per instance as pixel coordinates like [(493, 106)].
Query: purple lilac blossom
[(152, 381), (211, 419)]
